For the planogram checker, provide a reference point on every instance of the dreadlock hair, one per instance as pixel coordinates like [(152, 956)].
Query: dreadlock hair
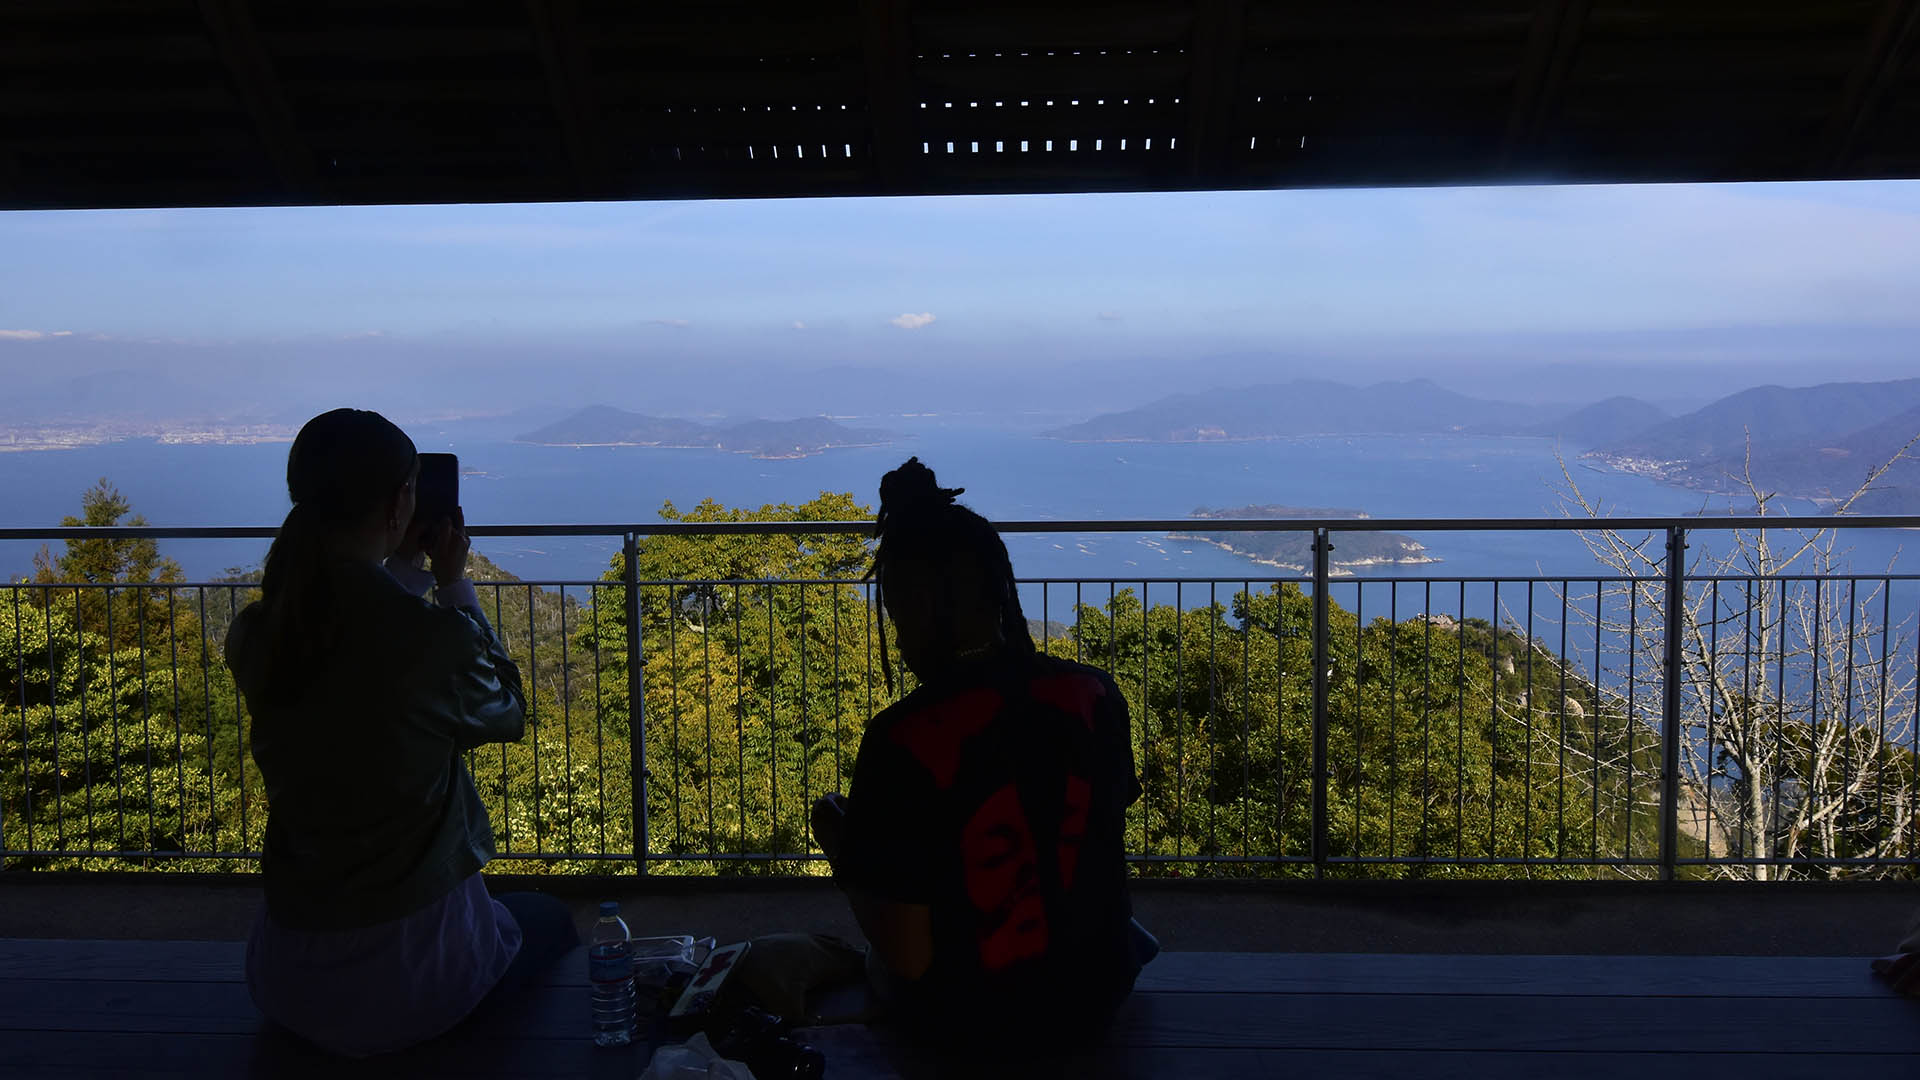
[(343, 466), (920, 523)]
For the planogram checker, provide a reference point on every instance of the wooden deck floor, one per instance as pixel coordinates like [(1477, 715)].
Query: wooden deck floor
[(84, 1009)]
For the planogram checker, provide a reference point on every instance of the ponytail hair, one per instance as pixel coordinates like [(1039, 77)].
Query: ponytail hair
[(343, 467), (920, 521)]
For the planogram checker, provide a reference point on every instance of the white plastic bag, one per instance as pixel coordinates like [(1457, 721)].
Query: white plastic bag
[(693, 1060)]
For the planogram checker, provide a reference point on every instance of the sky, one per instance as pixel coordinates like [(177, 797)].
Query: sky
[(1676, 292)]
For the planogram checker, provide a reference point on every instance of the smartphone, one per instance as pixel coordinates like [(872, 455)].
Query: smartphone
[(436, 494)]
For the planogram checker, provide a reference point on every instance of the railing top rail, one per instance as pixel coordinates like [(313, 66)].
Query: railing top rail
[(1116, 525)]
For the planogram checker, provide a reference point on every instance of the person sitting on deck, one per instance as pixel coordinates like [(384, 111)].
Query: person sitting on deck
[(378, 931), (981, 842)]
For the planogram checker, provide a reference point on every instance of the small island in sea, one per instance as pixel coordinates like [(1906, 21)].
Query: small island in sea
[(604, 425), (1294, 550)]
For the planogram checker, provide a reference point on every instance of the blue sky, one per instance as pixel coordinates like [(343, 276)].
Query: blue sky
[(1008, 283)]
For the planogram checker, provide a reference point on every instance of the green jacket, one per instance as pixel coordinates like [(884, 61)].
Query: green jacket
[(371, 812)]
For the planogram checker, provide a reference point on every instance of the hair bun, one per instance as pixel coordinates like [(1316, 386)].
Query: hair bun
[(911, 489)]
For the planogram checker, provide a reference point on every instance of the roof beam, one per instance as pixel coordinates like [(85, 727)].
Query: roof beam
[(230, 27), (1551, 42), (1887, 45), (556, 30), (1219, 34), (891, 97)]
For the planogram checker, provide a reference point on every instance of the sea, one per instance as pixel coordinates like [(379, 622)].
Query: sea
[(1008, 474)]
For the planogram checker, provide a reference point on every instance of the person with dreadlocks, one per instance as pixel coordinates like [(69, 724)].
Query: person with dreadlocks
[(980, 844)]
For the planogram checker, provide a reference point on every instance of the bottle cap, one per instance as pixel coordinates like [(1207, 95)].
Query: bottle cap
[(609, 908)]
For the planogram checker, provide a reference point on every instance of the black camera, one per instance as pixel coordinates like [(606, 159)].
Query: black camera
[(759, 1040)]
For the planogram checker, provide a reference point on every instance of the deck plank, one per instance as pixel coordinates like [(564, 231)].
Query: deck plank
[(1252, 1021), (177, 1008), (1177, 972)]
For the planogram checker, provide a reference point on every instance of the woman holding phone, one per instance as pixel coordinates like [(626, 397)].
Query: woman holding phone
[(378, 931)]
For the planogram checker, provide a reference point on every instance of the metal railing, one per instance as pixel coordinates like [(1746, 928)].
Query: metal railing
[(1647, 719)]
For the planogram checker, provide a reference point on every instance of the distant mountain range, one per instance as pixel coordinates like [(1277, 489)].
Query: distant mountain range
[(1817, 442), (603, 425)]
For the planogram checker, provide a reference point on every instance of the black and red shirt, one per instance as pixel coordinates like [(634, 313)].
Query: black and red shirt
[(996, 796)]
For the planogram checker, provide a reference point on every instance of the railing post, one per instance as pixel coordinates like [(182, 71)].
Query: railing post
[(636, 700), (1322, 550), (1670, 706)]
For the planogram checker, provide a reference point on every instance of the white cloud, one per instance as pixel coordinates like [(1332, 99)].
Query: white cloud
[(798, 325), (677, 324), (1108, 316), (910, 321), (33, 335)]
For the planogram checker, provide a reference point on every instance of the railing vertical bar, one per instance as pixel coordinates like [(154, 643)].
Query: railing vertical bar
[(1179, 721), (1526, 826), (1280, 722), (706, 666), (1713, 669), (636, 702), (1426, 726), (1079, 626), (53, 707), (1460, 726), (1913, 729), (206, 696), (179, 751), (678, 845), (1393, 715), (1246, 714), (1670, 747), (772, 721), (1780, 715), (1359, 724), (1213, 691), (1046, 619), (239, 727), (1493, 729), (1846, 719), (1880, 738), (505, 830), (1146, 732), (26, 761), (599, 714), (566, 725), (1593, 704), (806, 731), (1813, 683), (1322, 548), (538, 814), (1633, 711), (1560, 804), (113, 704), (839, 784), (146, 709), (1747, 706), (740, 718)]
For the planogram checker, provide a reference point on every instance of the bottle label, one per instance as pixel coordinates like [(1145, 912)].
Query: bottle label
[(609, 963)]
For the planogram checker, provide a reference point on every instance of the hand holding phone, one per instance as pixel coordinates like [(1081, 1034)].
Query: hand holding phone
[(447, 544)]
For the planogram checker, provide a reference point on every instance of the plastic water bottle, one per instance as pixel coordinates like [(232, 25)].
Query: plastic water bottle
[(610, 969)]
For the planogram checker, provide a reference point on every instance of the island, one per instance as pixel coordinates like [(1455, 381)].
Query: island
[(1294, 550), (603, 425)]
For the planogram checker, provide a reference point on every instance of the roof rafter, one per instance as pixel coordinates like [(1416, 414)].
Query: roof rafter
[(230, 27), (556, 29), (1551, 43), (1219, 33), (1893, 35), (891, 97)]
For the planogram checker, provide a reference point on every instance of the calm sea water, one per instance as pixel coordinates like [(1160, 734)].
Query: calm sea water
[(1007, 475)]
